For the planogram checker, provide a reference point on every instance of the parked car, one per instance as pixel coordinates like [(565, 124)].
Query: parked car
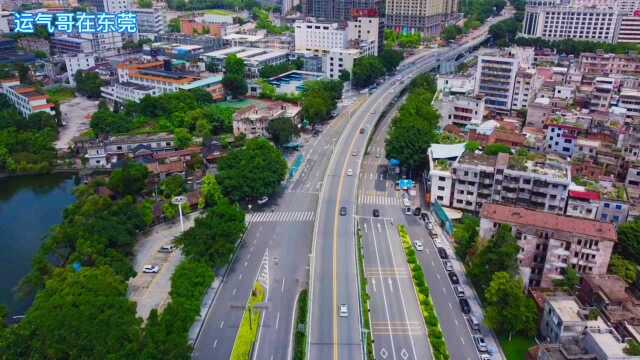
[(429, 225), (355, 153), (343, 310), (349, 172), (481, 344), (361, 130), (485, 356), (417, 211), (424, 217), (167, 248), (473, 323), (263, 200), (418, 245), (447, 265), (437, 242), (458, 290), (150, 269), (443, 253), (454, 278), (433, 234), (376, 213), (343, 211), (464, 306)]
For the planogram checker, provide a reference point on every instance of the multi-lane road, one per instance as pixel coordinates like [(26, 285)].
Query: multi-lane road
[(305, 219)]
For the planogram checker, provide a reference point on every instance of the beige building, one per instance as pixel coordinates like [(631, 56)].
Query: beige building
[(423, 16), (550, 243), (254, 120)]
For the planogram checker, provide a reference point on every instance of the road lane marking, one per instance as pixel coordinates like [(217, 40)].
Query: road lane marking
[(234, 291), (373, 282), (444, 291), (215, 343), (277, 319), (390, 284), (450, 307), (462, 340), (221, 324), (282, 288), (245, 264)]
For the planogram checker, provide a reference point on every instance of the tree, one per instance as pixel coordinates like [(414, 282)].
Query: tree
[(88, 84), (170, 211), (282, 130), (344, 76), (174, 25), (251, 172), (366, 70), (319, 99), (234, 81), (629, 240), (569, 282), (391, 59), (471, 146), (104, 121), (83, 314), (145, 4), (172, 186), (466, 236), (183, 138), (495, 149), (508, 310), (498, 255), (129, 180), (451, 32), (213, 237), (210, 192), (632, 348), (505, 31), (413, 130), (626, 269)]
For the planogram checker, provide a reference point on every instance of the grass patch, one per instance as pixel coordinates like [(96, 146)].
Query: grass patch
[(249, 327), (517, 348), (436, 338), (300, 340), (60, 94), (219, 12), (364, 298)]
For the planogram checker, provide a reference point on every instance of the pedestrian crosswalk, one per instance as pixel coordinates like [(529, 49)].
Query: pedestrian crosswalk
[(378, 199), (281, 216)]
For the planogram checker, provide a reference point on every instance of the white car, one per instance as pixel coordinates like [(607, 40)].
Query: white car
[(150, 269), (429, 226), (349, 172), (167, 248), (263, 200), (437, 242), (418, 245), (343, 311), (355, 153)]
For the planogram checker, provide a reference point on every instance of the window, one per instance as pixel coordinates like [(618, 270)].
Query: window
[(441, 178), (618, 207), (615, 218), (440, 188), (607, 205), (440, 198), (604, 217)]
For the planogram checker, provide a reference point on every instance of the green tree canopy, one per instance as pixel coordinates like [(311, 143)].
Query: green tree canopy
[(319, 99), (282, 130), (495, 149), (251, 172), (391, 59), (508, 310), (172, 186), (569, 282), (451, 32), (78, 315), (626, 269), (88, 83), (129, 180), (366, 70), (234, 79), (466, 236), (629, 240), (210, 192), (213, 237)]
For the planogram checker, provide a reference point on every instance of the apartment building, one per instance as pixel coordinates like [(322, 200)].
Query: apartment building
[(127, 91), (78, 62), (614, 206), (254, 120), (607, 64), (319, 38), (549, 243), (254, 58), (366, 29), (557, 22), (105, 153), (69, 45), (150, 21), (440, 179), (104, 44), (473, 177), (341, 10), (460, 110), (540, 184), (629, 99), (564, 318), (582, 203), (561, 138), (426, 17), (495, 79), (601, 96), (525, 87), (25, 98)]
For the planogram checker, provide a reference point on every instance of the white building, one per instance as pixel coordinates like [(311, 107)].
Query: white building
[(557, 22), (25, 98), (460, 110), (562, 139), (104, 44), (128, 91), (629, 99), (4, 22), (525, 87), (441, 159), (319, 38), (365, 29), (455, 84), (151, 21), (495, 79), (78, 62), (254, 58)]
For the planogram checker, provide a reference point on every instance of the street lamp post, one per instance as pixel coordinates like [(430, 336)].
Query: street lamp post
[(179, 200)]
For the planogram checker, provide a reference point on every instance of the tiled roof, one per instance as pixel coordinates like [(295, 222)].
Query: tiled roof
[(584, 195), (549, 221)]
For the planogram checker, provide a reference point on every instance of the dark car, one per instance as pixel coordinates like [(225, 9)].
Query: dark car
[(424, 216), (417, 211), (361, 130), (343, 211), (454, 278), (376, 213), (443, 253), (464, 306)]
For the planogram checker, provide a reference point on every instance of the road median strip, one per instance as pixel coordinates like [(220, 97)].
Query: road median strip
[(300, 337), (364, 298), (436, 338), (249, 327)]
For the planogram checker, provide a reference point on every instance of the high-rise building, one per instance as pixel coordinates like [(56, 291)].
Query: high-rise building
[(495, 79), (150, 21), (339, 10), (110, 6), (423, 16)]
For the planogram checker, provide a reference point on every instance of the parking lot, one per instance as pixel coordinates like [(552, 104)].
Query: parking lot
[(151, 290)]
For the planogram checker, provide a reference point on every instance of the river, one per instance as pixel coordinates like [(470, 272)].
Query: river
[(29, 207)]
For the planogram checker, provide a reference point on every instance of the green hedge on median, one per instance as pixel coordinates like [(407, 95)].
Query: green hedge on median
[(436, 338), (364, 298)]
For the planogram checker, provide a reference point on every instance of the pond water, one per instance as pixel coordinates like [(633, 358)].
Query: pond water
[(29, 207)]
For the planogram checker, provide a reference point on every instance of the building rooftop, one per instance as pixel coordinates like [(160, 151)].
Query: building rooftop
[(566, 307), (548, 166), (446, 151), (544, 220), (477, 159), (137, 86)]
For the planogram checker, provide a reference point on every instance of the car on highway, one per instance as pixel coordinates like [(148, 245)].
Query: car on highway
[(464, 306), (442, 253), (485, 356), (437, 242), (355, 153), (458, 290), (447, 265), (150, 269), (473, 323), (343, 211), (263, 200), (428, 225), (376, 213), (349, 172), (454, 278), (343, 311), (167, 248), (418, 245), (361, 130), (481, 344), (433, 234)]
